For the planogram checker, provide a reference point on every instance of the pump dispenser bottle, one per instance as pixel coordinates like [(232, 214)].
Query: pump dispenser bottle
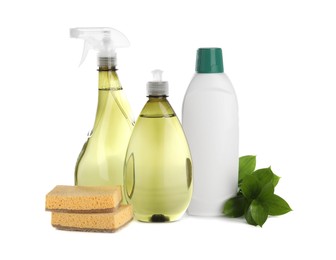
[(158, 170), (210, 121), (101, 159)]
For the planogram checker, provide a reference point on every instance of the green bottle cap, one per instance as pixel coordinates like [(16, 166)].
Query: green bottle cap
[(209, 60)]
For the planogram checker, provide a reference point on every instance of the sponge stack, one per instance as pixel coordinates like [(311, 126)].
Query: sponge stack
[(86, 208)]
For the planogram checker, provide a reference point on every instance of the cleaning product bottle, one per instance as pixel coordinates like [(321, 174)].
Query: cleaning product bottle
[(210, 121), (101, 159), (158, 170)]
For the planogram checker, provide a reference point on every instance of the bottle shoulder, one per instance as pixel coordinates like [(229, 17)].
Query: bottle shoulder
[(157, 107), (210, 82)]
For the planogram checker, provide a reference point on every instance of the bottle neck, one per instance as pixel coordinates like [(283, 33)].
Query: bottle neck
[(110, 99), (108, 78), (157, 98)]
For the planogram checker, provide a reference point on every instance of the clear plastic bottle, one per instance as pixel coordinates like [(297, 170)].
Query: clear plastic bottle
[(158, 169), (210, 121), (101, 160)]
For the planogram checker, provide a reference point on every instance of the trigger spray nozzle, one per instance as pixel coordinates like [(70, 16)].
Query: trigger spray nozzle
[(103, 40), (157, 87)]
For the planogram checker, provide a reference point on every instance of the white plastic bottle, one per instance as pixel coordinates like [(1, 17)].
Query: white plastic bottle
[(210, 122)]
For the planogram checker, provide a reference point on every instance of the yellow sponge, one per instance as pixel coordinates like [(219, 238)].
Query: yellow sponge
[(94, 222), (83, 199)]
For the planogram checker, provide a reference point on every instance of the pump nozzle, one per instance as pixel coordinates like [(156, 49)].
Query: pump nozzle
[(157, 87), (157, 75), (104, 40)]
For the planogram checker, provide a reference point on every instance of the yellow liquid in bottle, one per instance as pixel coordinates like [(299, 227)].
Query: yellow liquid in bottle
[(101, 160), (158, 171)]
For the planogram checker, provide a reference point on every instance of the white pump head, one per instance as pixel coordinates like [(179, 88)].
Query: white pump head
[(157, 87), (104, 40)]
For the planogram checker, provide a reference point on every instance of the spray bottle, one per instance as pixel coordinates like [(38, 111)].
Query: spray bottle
[(101, 159)]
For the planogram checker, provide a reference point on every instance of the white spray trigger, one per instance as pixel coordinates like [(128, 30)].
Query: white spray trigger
[(104, 40), (86, 49)]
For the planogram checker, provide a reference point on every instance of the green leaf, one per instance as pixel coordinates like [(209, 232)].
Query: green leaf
[(249, 218), (266, 192), (259, 212), (255, 198), (266, 175), (277, 205), (247, 165), (250, 187), (235, 206), (276, 179)]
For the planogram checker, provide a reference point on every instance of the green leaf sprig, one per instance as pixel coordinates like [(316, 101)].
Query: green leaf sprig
[(255, 198)]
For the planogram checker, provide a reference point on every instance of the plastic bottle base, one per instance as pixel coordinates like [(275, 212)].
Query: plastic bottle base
[(157, 218)]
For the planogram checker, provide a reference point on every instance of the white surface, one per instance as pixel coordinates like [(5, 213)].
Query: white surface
[(281, 57), (210, 121)]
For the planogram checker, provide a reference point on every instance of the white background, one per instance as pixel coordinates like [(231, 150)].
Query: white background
[(281, 59)]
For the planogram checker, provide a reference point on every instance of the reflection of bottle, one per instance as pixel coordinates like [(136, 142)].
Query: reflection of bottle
[(102, 157), (210, 121), (158, 174)]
